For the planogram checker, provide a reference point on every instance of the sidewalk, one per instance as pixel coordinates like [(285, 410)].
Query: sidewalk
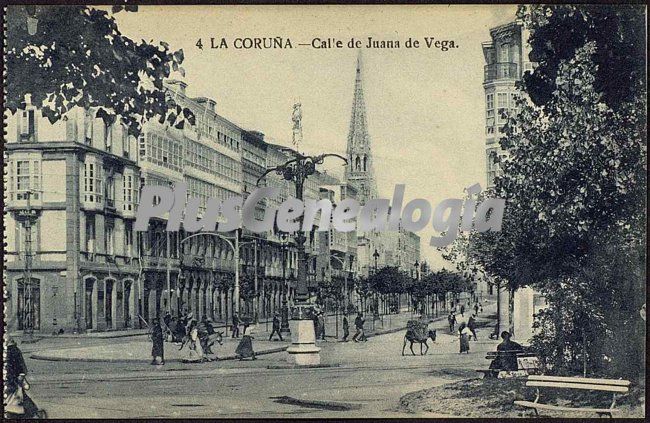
[(139, 350)]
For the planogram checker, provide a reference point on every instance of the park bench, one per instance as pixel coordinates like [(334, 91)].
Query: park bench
[(556, 382), (527, 363)]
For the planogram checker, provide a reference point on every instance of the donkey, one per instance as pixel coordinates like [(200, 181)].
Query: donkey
[(410, 338)]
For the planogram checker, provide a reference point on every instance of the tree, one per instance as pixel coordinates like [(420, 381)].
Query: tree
[(574, 179), (78, 57), (559, 31)]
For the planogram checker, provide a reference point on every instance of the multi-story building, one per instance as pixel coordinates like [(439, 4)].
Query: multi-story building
[(181, 273), (77, 181), (506, 60), (402, 250)]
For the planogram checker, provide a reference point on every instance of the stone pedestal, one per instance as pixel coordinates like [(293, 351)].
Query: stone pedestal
[(303, 350)]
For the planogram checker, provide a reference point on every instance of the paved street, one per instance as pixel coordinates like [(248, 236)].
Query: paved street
[(363, 380)]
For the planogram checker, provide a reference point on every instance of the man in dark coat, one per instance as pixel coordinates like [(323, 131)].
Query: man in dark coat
[(358, 323), (471, 324), (235, 325), (346, 328), (276, 327), (507, 354), (15, 380), (321, 325), (16, 368), (158, 341)]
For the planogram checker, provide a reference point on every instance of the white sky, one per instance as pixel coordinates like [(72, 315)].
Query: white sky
[(425, 107)]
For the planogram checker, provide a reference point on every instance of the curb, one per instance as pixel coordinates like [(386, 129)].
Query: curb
[(294, 366), (121, 360)]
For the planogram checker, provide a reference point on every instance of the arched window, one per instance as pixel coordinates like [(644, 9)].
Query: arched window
[(365, 163), (357, 163)]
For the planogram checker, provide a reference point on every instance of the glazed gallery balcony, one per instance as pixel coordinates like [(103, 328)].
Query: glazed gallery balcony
[(496, 71)]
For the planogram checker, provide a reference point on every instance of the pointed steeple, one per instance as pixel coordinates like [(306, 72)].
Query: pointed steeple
[(359, 170)]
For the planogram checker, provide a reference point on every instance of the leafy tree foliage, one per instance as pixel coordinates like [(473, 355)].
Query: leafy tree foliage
[(574, 177), (559, 31), (79, 57)]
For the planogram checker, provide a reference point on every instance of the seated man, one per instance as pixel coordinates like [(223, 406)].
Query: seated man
[(506, 354)]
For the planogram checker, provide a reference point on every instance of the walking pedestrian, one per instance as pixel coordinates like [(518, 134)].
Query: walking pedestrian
[(321, 325), (158, 340), (346, 328), (17, 404), (196, 353), (235, 325), (464, 334), (358, 324), (452, 322), (471, 324), (476, 308), (245, 347), (276, 327), (462, 309)]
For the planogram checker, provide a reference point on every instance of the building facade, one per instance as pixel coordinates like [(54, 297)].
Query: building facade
[(74, 184), (72, 192), (506, 60)]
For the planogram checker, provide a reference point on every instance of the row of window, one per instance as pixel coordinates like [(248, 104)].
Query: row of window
[(170, 153), (506, 102), (109, 236), (208, 128), (164, 152), (203, 190), (204, 158), (24, 180)]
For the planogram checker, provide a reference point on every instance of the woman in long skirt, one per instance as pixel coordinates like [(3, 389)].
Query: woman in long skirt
[(464, 338), (245, 347), (157, 338)]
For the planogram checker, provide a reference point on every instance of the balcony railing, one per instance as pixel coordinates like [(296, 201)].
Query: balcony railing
[(501, 71)]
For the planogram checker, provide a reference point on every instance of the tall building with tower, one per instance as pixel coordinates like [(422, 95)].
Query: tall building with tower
[(374, 249), (359, 172)]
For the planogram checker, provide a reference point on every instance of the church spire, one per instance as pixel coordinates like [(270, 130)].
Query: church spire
[(359, 170)]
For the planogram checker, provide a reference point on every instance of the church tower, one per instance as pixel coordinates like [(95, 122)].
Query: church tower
[(359, 170)]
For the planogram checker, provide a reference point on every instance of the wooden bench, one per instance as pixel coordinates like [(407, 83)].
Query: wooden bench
[(527, 363), (609, 385)]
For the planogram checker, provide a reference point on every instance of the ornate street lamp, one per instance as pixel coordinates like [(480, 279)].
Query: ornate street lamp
[(284, 327), (303, 348)]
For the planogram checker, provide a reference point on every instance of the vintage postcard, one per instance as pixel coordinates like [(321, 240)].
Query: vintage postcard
[(324, 211)]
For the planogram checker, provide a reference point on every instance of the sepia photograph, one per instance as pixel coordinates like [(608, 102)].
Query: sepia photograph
[(329, 211)]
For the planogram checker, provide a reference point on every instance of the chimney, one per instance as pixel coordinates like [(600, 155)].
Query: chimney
[(209, 103)]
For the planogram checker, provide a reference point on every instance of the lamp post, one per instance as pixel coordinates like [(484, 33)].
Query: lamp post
[(375, 314), (417, 272), (29, 217), (303, 350), (284, 326)]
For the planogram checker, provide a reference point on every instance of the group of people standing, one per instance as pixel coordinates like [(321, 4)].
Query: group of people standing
[(466, 324), (360, 334), (198, 336)]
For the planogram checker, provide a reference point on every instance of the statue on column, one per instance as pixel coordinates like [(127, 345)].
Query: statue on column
[(296, 117)]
